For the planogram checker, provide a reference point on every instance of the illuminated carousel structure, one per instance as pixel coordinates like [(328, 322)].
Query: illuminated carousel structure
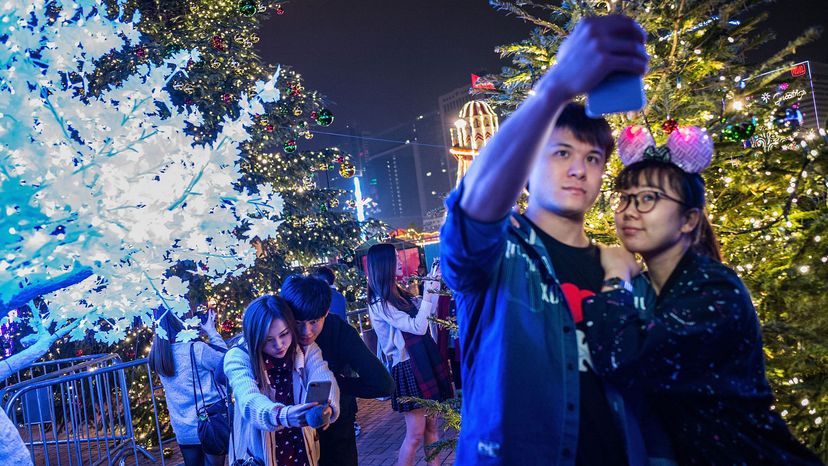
[(476, 124)]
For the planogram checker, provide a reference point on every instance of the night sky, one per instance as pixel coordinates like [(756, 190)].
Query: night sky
[(383, 62)]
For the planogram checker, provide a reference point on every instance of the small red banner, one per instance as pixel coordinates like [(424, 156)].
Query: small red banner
[(480, 83), (798, 70)]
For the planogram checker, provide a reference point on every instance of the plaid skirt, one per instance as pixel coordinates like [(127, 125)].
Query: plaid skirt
[(406, 384)]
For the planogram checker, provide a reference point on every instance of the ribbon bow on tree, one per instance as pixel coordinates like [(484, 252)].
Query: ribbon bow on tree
[(688, 147)]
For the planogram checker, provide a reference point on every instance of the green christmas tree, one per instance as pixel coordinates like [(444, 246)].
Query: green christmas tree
[(767, 184), (318, 225)]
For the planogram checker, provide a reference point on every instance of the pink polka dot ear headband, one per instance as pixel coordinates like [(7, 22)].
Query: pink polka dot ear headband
[(688, 147)]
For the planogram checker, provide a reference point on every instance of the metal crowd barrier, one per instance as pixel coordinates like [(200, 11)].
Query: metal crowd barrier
[(42, 368), (357, 314), (78, 411), (369, 337)]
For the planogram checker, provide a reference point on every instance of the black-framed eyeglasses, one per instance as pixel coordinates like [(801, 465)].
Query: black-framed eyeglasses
[(644, 201)]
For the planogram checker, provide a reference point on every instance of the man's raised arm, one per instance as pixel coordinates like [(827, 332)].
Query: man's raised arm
[(597, 47)]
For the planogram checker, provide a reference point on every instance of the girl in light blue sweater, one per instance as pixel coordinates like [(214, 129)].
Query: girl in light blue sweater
[(170, 358)]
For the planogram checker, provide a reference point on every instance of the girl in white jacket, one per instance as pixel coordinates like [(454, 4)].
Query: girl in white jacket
[(393, 311), (269, 374)]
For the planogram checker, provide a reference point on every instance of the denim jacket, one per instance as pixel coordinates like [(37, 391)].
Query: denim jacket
[(519, 352)]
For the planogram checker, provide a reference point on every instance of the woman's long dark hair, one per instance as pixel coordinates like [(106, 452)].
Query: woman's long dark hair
[(258, 316), (161, 357), (689, 186), (382, 279)]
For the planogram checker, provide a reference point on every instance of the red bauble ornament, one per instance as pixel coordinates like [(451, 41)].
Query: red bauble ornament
[(130, 354), (269, 128), (78, 353), (140, 52), (669, 125), (217, 43), (280, 10), (227, 326), (227, 98), (314, 115)]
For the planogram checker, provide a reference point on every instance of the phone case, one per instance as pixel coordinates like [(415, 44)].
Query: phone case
[(318, 392), (618, 93)]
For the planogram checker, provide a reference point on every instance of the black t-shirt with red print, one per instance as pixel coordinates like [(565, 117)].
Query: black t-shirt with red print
[(579, 271)]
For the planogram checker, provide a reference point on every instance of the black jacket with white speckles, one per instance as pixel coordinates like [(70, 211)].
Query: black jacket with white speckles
[(698, 355)]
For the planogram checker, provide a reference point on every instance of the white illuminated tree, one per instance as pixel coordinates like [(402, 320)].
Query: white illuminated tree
[(102, 195)]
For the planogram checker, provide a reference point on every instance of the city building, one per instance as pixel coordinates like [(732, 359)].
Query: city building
[(819, 81), (406, 172)]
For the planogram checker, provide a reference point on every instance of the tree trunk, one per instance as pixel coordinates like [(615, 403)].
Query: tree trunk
[(13, 451), (25, 358)]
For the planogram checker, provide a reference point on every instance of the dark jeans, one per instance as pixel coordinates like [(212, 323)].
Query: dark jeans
[(195, 456), (337, 445)]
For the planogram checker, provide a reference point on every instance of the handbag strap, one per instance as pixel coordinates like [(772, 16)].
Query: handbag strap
[(196, 377)]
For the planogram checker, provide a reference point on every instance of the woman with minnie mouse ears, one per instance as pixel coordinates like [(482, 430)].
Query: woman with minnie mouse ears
[(696, 352)]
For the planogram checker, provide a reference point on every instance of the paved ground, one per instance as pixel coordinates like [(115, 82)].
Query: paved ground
[(382, 433)]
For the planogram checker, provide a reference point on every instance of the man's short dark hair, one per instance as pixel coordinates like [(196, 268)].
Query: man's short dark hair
[(325, 273), (309, 297), (594, 131)]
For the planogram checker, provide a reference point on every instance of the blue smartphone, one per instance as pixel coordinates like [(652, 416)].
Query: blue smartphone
[(618, 93)]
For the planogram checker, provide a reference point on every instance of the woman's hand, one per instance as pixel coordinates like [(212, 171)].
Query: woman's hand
[(209, 325), (296, 414), (431, 286), (431, 282), (618, 262), (436, 273)]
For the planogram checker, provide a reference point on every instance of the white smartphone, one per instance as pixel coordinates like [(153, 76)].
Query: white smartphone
[(318, 392), (435, 267)]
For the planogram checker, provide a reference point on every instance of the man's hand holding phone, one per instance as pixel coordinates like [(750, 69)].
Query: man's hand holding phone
[(598, 47)]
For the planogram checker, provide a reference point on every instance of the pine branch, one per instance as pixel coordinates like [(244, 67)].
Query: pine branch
[(521, 13), (810, 35)]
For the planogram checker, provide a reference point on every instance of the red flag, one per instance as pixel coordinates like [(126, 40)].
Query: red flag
[(481, 83)]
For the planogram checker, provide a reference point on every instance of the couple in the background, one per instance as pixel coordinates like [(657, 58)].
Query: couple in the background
[(569, 354), (288, 341)]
